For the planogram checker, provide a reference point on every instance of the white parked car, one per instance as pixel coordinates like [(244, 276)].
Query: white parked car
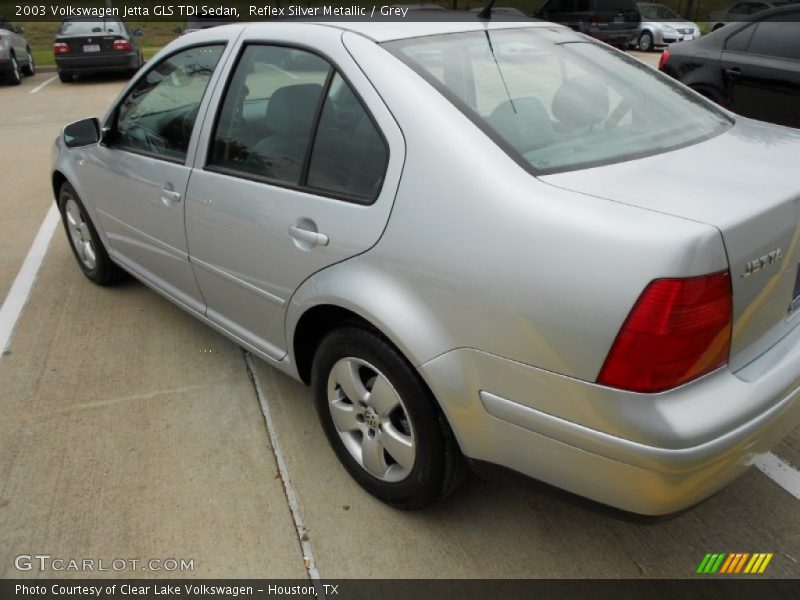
[(662, 26)]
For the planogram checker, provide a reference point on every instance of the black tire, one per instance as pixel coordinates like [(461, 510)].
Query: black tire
[(438, 467), (105, 271), (65, 77), (29, 70), (14, 75), (646, 42)]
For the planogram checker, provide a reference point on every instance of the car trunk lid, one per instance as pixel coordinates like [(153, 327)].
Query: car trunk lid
[(744, 183)]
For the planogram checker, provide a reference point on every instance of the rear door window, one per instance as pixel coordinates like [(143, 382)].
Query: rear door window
[(777, 36), (289, 118), (267, 118), (740, 40), (349, 155)]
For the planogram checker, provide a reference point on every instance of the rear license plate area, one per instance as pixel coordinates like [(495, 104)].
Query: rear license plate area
[(91, 48)]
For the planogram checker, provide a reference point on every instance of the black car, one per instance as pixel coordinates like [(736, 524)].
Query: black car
[(611, 21), (94, 46), (751, 68)]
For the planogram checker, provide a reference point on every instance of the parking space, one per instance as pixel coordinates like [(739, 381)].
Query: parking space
[(130, 429)]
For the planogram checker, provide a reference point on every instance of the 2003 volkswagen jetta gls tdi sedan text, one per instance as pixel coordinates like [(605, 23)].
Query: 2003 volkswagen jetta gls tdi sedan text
[(503, 244)]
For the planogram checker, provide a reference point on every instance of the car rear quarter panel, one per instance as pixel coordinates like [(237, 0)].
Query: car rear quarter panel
[(480, 254)]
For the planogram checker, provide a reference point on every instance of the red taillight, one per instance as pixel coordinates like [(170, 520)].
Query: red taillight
[(61, 48), (122, 45), (663, 59), (678, 330)]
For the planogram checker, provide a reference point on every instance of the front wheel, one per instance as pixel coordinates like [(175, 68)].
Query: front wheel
[(85, 242), (381, 420), (646, 41)]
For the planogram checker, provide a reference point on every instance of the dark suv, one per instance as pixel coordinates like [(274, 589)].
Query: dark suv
[(610, 21)]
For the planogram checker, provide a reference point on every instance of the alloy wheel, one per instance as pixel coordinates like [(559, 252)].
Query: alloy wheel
[(79, 234), (371, 419)]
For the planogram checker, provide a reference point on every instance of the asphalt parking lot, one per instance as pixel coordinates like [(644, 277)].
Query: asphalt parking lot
[(130, 430)]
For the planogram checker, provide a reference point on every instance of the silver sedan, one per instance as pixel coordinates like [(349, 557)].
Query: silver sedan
[(16, 58), (481, 244), (661, 26)]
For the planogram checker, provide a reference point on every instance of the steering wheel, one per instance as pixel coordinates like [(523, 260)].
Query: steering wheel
[(152, 141)]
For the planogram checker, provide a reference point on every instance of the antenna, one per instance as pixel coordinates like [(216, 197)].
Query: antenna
[(486, 13)]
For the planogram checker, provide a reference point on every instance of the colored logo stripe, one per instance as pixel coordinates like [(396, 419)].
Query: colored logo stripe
[(733, 563), (711, 563)]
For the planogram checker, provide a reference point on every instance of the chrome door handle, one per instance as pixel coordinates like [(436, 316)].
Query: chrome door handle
[(309, 237), (170, 196)]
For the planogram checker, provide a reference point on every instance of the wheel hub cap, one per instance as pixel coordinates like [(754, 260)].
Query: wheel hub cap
[(371, 419)]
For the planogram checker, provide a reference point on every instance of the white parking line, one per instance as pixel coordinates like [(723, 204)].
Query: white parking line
[(44, 84), (302, 535), (23, 283), (780, 472)]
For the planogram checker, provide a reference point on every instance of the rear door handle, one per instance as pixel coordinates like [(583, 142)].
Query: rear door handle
[(733, 73), (169, 196), (307, 236)]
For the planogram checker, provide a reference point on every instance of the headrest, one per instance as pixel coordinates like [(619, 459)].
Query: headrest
[(290, 110), (523, 122), (580, 102)]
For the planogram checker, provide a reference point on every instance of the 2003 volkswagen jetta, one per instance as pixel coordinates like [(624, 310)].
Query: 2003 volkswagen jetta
[(498, 243)]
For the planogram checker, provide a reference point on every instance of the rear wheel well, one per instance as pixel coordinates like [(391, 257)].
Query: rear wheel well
[(314, 325), (58, 181)]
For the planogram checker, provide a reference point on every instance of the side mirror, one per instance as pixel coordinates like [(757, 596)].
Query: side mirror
[(137, 32), (19, 30), (82, 133)]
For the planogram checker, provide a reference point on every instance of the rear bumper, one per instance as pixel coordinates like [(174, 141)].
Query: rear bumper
[(648, 454), (96, 63)]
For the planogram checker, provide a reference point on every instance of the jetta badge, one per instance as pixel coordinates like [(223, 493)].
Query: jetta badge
[(764, 261)]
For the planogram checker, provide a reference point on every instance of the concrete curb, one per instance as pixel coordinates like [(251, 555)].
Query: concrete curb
[(46, 69)]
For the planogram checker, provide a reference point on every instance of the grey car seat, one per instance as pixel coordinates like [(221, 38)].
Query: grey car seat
[(290, 115)]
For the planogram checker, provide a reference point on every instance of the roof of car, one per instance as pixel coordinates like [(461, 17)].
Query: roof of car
[(384, 31)]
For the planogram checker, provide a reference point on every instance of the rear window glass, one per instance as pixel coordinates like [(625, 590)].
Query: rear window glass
[(554, 104), (89, 27)]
